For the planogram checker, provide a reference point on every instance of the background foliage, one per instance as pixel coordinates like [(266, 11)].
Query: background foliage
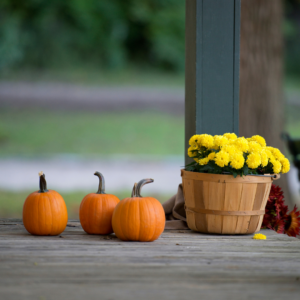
[(111, 34), (291, 30)]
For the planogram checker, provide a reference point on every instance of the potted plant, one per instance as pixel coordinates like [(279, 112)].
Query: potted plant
[(227, 185)]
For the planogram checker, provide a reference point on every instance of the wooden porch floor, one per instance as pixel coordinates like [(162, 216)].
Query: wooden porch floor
[(181, 264)]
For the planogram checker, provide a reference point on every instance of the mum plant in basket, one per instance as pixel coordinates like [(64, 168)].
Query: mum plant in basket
[(217, 200), (229, 154)]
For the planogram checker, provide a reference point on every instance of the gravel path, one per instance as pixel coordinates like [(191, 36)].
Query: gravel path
[(70, 96)]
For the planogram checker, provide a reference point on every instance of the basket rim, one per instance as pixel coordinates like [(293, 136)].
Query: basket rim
[(228, 177)]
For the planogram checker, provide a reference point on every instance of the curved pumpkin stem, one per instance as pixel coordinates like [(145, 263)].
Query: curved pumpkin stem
[(43, 183), (133, 190), (101, 188), (137, 188)]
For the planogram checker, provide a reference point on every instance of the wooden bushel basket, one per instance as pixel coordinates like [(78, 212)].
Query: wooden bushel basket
[(222, 204)]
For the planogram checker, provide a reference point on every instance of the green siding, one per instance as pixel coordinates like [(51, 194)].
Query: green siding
[(212, 66)]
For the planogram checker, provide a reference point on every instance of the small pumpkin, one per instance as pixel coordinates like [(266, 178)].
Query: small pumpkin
[(45, 211), (139, 218), (96, 209)]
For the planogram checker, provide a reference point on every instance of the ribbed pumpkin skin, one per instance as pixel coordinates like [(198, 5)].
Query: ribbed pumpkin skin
[(138, 219), (45, 213), (95, 213)]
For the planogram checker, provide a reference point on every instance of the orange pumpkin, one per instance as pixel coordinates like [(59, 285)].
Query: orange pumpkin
[(45, 211), (96, 210), (138, 218)]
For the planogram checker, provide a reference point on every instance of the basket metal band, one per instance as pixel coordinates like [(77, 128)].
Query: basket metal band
[(225, 213)]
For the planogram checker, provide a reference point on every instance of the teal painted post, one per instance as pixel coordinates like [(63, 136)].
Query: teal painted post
[(212, 67)]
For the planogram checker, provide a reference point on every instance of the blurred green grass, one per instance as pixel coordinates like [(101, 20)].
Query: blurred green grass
[(31, 132), (11, 203), (130, 76), (292, 120), (291, 83), (39, 132), (42, 132)]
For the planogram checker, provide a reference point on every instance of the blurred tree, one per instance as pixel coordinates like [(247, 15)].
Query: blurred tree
[(291, 30), (108, 34), (261, 72), (43, 33)]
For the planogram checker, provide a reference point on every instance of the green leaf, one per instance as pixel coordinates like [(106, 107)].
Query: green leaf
[(190, 164), (190, 168), (245, 170), (206, 168), (235, 174)]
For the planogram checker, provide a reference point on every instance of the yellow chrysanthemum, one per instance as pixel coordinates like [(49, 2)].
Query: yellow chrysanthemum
[(253, 160), (276, 166), (230, 136), (254, 147), (272, 160), (270, 148), (259, 236), (211, 156), (231, 142), (237, 161), (277, 154), (222, 159), (207, 141), (242, 144), (220, 140), (191, 152), (285, 165), (259, 139), (264, 158), (194, 139), (203, 161), (230, 149), (269, 153)]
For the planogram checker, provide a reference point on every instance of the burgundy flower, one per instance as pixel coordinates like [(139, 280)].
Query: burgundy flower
[(276, 216)]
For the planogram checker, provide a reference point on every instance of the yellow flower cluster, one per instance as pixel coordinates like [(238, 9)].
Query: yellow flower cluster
[(201, 140), (259, 236), (230, 150), (222, 158)]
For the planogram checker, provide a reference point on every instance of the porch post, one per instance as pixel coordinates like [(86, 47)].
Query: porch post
[(212, 67)]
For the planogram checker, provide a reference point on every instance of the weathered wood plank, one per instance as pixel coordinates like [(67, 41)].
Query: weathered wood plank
[(181, 264)]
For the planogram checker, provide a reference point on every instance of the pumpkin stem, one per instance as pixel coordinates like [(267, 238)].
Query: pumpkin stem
[(43, 183), (137, 189), (101, 188), (133, 190)]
